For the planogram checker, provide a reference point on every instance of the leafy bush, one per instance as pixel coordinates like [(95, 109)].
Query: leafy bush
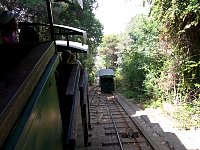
[(191, 111), (140, 54)]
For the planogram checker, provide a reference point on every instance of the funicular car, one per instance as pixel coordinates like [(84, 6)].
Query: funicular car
[(106, 80), (33, 112)]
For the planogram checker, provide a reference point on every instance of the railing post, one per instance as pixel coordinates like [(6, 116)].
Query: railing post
[(50, 16)]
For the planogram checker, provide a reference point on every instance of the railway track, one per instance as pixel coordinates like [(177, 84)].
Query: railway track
[(128, 134), (113, 128)]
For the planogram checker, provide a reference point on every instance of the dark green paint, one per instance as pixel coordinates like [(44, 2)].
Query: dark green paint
[(40, 126)]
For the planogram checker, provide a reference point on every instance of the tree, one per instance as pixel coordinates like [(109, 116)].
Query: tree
[(109, 50), (181, 31), (140, 56)]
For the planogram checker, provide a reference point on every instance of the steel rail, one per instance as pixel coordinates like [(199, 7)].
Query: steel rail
[(125, 120), (146, 136), (95, 91), (118, 137), (94, 88)]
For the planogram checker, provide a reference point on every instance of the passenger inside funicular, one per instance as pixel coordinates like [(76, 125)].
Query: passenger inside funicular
[(9, 30), (73, 60), (67, 57), (28, 34), (8, 27)]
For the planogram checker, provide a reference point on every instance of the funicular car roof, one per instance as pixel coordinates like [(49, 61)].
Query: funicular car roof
[(65, 30), (74, 46), (106, 72)]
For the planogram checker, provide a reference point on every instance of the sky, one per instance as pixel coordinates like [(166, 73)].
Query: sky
[(115, 14)]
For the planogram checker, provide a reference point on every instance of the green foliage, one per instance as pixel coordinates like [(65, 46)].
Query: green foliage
[(129, 93), (138, 55), (108, 50), (153, 104), (181, 35), (188, 110), (158, 58), (181, 26), (156, 65), (133, 72), (119, 79), (30, 2)]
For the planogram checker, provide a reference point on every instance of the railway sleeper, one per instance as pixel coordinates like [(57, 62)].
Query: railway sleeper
[(109, 121), (118, 112), (134, 147), (123, 133), (121, 116), (115, 117), (132, 141), (116, 108), (100, 103), (119, 126)]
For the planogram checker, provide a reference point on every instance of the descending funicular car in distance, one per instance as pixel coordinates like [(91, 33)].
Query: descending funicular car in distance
[(106, 80), (38, 109)]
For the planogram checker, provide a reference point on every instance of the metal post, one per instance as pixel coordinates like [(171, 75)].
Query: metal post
[(50, 16)]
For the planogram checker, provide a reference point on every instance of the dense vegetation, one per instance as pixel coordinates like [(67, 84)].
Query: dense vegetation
[(158, 59)]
